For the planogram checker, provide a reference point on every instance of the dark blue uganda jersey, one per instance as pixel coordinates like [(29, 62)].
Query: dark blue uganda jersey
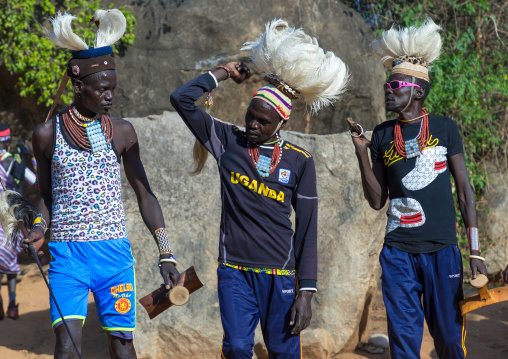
[(255, 226), (421, 214)]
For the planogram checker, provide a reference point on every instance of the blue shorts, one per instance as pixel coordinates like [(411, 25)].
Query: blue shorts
[(104, 267)]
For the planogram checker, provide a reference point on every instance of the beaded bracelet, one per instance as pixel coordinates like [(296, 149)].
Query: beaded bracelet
[(477, 257), (40, 222), (228, 70), (162, 239), (472, 236)]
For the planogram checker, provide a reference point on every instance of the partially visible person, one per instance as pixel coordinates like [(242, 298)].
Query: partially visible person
[(12, 172), (505, 275)]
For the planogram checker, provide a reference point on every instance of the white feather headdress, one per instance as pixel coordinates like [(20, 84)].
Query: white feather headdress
[(62, 35), (297, 61), (410, 50), (13, 209), (112, 25)]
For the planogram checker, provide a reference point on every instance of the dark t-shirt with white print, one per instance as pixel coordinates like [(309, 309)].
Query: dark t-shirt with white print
[(421, 214)]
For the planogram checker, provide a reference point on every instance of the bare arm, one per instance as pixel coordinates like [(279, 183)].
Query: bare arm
[(467, 203), (149, 206), (373, 178), (42, 141)]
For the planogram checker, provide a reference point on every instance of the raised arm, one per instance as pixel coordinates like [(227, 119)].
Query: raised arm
[(149, 207), (467, 205), (202, 125)]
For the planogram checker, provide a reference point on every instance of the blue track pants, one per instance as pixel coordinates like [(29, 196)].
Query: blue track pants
[(418, 286), (245, 299)]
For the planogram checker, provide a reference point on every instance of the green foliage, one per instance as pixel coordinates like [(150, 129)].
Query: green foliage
[(26, 51)]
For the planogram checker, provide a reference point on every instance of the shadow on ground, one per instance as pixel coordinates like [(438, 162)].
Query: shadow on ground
[(32, 333)]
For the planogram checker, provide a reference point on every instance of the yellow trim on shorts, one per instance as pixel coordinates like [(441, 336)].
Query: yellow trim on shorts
[(135, 312), (119, 329), (69, 317)]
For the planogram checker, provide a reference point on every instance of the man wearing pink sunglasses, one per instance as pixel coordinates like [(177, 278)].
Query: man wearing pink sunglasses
[(396, 84), (412, 158)]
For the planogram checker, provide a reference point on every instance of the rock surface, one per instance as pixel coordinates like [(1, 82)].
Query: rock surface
[(350, 238), (178, 40), (493, 223)]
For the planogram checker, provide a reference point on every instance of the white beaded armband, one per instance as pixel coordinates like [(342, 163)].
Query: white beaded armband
[(472, 237), (162, 238)]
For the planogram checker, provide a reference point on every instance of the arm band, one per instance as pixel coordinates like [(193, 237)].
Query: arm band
[(477, 257), (171, 259), (472, 237), (40, 222), (162, 239)]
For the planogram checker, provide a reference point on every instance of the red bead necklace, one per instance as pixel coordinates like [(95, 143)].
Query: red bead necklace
[(423, 136), (276, 154), (77, 132)]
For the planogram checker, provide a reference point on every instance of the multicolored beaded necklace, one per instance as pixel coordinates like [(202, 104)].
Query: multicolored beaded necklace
[(90, 134), (412, 148), (264, 164)]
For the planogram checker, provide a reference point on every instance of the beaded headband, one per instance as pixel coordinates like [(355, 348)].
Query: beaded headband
[(283, 87), (274, 97), (91, 61), (411, 66)]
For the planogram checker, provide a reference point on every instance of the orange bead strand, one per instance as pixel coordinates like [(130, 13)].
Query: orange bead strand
[(423, 136), (276, 155)]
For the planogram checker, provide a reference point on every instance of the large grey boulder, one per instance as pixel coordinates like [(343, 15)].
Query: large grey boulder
[(350, 238), (493, 224), (178, 40)]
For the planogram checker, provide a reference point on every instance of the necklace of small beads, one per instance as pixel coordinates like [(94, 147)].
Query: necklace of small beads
[(264, 165), (78, 131), (83, 118)]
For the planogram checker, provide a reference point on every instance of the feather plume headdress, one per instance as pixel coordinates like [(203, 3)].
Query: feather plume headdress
[(88, 60), (13, 209), (409, 50), (296, 67)]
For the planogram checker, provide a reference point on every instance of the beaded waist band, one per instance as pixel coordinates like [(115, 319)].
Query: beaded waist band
[(261, 270)]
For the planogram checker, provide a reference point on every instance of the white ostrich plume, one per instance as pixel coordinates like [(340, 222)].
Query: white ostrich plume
[(7, 219), (423, 42), (297, 60), (13, 209), (112, 26), (62, 34)]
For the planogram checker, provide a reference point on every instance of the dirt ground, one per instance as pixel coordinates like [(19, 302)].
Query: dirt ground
[(31, 336)]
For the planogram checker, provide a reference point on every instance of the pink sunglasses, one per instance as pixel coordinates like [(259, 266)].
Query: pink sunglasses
[(395, 85)]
